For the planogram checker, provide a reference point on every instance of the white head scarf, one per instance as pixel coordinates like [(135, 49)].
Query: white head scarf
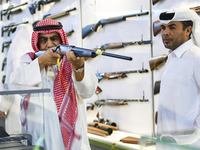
[(177, 14)]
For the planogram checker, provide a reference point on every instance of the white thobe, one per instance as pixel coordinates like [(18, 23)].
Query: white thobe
[(178, 109), (21, 44), (42, 114)]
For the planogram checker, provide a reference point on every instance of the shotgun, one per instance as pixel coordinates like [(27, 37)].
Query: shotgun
[(10, 28), (105, 122), (93, 27), (107, 129), (116, 75), (58, 15), (5, 44), (93, 130), (157, 61), (123, 44), (37, 4), (104, 125), (116, 102), (10, 10), (82, 52)]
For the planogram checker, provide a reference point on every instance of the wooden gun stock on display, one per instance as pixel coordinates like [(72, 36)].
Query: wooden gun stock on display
[(156, 27), (155, 1), (116, 75), (157, 87), (5, 44), (196, 9), (106, 122), (130, 139), (157, 61), (107, 129), (93, 130), (93, 27)]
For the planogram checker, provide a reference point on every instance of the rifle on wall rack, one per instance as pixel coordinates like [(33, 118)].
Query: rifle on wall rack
[(56, 15), (93, 27), (10, 28), (4, 63), (116, 102), (116, 75), (12, 10), (37, 4), (5, 44), (122, 44), (155, 1)]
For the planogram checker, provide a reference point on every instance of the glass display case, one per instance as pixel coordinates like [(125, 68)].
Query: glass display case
[(30, 101)]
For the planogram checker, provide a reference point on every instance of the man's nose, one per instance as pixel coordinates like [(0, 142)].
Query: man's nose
[(49, 43), (165, 31)]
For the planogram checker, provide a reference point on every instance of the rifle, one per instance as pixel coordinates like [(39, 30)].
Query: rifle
[(4, 63), (157, 87), (196, 9), (157, 61), (93, 130), (57, 15), (10, 28), (115, 102), (122, 44), (116, 75), (82, 52), (69, 33), (5, 44), (90, 106), (10, 10), (32, 7), (93, 27)]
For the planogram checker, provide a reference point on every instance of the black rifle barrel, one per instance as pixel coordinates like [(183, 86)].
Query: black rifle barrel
[(82, 52)]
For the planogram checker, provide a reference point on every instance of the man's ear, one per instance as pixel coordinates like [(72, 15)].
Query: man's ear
[(188, 31)]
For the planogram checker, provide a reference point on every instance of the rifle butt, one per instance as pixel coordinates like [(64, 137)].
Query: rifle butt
[(87, 30), (96, 131), (157, 61), (104, 125), (156, 27), (130, 139)]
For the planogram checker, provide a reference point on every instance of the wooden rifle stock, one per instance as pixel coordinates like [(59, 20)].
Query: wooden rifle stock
[(155, 1), (157, 61), (96, 131), (156, 27), (130, 139)]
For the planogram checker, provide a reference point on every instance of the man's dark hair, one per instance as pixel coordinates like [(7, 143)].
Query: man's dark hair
[(187, 24)]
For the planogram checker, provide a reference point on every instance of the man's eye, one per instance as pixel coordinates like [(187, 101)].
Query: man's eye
[(54, 38), (43, 40)]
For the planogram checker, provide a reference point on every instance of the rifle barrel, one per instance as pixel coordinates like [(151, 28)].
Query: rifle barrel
[(138, 14)]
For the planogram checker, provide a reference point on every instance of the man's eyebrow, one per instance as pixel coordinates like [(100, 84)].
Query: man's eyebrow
[(172, 25)]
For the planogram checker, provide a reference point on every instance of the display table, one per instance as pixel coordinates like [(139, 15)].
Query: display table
[(112, 142)]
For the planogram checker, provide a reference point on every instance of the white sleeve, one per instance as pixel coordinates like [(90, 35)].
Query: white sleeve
[(87, 87), (28, 73)]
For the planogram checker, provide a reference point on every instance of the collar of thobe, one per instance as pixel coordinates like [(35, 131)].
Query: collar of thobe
[(178, 52)]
